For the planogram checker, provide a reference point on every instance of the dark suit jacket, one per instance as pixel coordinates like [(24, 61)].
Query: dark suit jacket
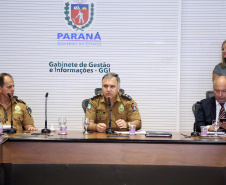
[(206, 113)]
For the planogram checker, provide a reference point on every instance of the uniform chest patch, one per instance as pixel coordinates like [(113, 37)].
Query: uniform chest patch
[(89, 106), (133, 106), (121, 108), (17, 108)]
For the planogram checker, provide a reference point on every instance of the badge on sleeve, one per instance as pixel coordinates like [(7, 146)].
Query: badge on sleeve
[(89, 106), (133, 106)]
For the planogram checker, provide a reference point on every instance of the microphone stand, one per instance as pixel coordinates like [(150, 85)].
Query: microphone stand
[(45, 130), (11, 130), (109, 131), (195, 133)]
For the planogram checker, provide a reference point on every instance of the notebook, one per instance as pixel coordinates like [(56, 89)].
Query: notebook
[(158, 134)]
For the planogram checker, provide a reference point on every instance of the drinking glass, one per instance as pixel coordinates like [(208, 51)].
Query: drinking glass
[(132, 129), (215, 125), (86, 123), (63, 127)]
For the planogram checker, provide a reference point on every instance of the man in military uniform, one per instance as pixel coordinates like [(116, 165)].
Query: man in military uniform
[(124, 109), (21, 112)]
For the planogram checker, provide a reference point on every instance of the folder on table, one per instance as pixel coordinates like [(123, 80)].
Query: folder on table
[(158, 134)]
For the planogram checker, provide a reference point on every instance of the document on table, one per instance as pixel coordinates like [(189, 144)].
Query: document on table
[(127, 132), (6, 127), (217, 133)]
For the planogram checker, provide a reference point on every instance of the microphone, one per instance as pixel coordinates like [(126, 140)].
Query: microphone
[(45, 130), (11, 130), (109, 131), (109, 101)]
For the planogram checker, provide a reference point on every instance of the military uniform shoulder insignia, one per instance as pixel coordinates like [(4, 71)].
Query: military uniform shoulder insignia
[(126, 96), (29, 110), (98, 95), (19, 100)]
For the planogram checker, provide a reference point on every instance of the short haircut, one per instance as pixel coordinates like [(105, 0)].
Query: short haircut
[(2, 76), (111, 75)]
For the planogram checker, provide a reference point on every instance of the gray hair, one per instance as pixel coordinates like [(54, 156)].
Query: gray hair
[(111, 75)]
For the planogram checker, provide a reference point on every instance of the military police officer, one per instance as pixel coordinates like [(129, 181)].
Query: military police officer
[(22, 118), (124, 109)]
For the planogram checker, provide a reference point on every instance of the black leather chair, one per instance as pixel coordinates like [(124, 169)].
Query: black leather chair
[(195, 108), (99, 91), (209, 94), (85, 104)]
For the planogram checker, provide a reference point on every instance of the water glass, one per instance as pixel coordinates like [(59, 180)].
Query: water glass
[(86, 123), (63, 127), (215, 125), (132, 129), (204, 130)]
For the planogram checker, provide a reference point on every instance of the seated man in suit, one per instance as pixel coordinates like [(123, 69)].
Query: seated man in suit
[(124, 109), (21, 112), (213, 108)]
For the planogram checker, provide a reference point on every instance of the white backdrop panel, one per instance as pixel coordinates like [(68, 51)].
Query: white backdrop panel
[(158, 48), (138, 40)]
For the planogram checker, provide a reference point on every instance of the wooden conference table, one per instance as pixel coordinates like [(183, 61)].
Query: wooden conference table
[(99, 158)]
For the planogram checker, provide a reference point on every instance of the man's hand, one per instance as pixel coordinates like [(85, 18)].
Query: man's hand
[(223, 125), (121, 123), (101, 127), (30, 128), (211, 128)]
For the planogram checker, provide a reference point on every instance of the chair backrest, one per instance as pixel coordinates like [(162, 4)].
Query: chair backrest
[(209, 94), (85, 104), (195, 108), (99, 91)]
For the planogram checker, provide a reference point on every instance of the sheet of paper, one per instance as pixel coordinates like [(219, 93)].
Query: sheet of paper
[(218, 133), (127, 132), (6, 127)]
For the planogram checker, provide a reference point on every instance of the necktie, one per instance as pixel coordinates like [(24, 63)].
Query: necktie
[(222, 111)]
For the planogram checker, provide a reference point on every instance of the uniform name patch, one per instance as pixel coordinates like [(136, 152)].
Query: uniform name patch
[(100, 112)]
